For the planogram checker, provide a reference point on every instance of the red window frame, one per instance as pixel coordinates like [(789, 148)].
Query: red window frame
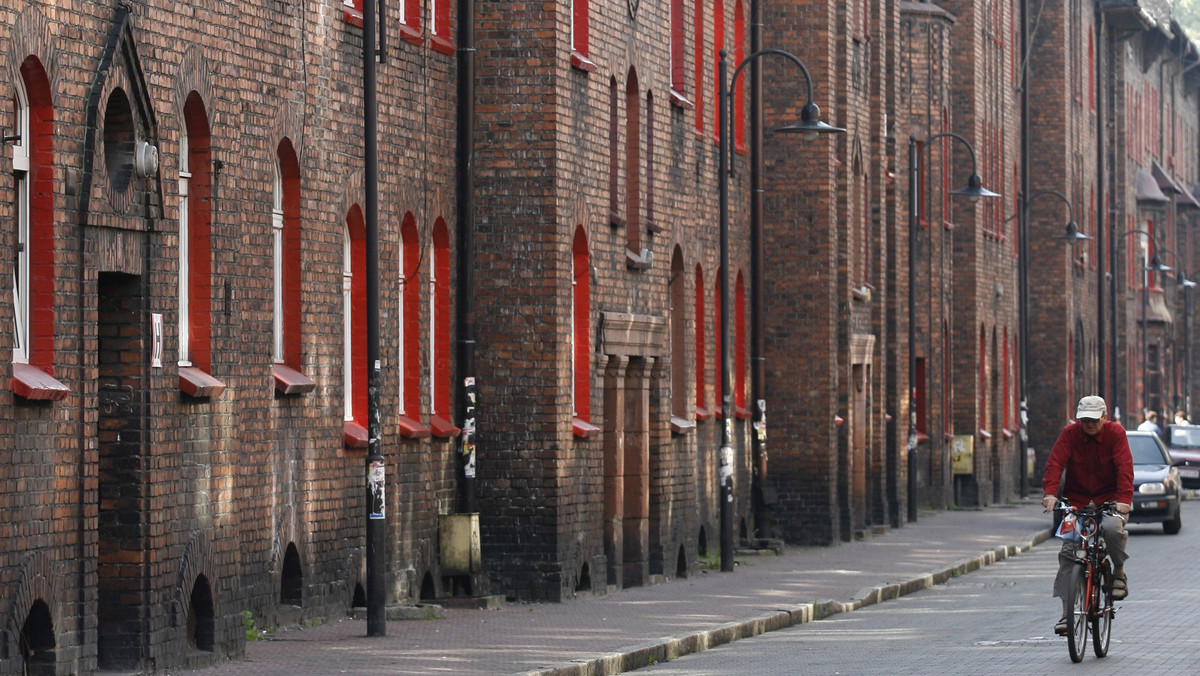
[(441, 415), (440, 39), (581, 303), (410, 21), (699, 67), (352, 12), (718, 45), (702, 412), (739, 344), (739, 99)]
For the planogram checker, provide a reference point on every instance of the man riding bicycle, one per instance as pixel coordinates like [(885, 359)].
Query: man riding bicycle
[(1091, 464)]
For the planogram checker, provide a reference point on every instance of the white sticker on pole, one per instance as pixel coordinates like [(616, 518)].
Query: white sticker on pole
[(377, 487)]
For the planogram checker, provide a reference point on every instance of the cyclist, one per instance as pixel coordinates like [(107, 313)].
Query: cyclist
[(1091, 464)]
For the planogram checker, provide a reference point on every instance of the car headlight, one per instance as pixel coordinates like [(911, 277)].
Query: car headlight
[(1153, 488)]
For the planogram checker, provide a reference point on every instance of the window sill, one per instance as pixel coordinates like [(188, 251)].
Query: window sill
[(584, 429), (680, 101), (412, 35), (290, 381), (681, 426), (637, 261), (984, 434), (34, 384), (441, 44), (615, 220), (412, 429), (442, 428), (922, 438), (581, 62), (1007, 433), (198, 384), (948, 436), (355, 436), (703, 414), (352, 16), (741, 413)]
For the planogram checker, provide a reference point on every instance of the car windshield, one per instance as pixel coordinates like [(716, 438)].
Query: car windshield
[(1186, 437), (1146, 451)]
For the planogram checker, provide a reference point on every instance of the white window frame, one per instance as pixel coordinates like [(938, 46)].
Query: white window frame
[(20, 163), (433, 13), (277, 272), (185, 177), (347, 327)]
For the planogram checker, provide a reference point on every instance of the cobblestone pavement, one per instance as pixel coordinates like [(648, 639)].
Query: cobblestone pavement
[(631, 628), (998, 620)]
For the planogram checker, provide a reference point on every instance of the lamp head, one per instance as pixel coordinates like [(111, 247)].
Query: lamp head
[(975, 189), (1158, 266), (1073, 234), (1186, 283), (810, 125)]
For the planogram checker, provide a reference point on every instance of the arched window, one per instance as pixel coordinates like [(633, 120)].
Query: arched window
[(702, 411), (718, 339), (33, 274), (678, 295), (439, 340), (678, 42), (354, 329), (633, 166), (718, 45), (285, 228), (739, 343), (409, 353), (739, 100), (195, 252), (581, 354)]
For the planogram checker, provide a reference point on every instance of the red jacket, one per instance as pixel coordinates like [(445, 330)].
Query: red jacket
[(1099, 468)]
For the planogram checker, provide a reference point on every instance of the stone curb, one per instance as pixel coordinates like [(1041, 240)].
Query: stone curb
[(669, 648)]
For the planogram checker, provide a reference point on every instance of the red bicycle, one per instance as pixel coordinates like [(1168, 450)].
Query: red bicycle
[(1089, 598)]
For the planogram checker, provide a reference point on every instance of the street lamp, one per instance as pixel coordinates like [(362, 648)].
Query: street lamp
[(810, 127), (973, 192), (1072, 235)]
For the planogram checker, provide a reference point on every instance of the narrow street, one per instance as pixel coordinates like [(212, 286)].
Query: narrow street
[(998, 620)]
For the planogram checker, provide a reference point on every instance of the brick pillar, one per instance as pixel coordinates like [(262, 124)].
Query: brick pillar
[(614, 465), (636, 521)]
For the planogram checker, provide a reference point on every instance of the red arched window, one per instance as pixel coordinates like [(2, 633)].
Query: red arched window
[(33, 274), (739, 343), (699, 67), (439, 344), (702, 412), (581, 307), (739, 100), (633, 166), (718, 45), (354, 329), (410, 331)]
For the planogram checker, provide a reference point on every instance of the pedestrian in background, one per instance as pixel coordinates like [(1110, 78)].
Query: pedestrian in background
[(1091, 464), (1150, 423), (1181, 419)]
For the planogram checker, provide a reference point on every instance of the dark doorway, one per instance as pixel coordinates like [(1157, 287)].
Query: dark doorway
[(291, 586), (120, 429), (201, 623)]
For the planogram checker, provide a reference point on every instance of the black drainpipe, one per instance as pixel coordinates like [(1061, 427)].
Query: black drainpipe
[(465, 298), (758, 395)]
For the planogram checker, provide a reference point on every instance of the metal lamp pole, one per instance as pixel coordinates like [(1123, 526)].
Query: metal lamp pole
[(810, 126), (973, 192)]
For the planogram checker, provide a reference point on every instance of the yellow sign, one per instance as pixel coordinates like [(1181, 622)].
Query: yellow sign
[(962, 454)]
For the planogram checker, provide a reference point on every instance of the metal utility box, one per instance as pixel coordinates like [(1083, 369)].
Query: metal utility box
[(459, 539)]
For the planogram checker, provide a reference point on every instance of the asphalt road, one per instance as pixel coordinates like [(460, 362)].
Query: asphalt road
[(998, 620)]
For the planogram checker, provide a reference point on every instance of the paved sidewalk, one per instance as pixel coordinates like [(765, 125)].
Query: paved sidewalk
[(631, 628)]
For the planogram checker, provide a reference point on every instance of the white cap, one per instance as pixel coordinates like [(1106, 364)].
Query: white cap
[(1091, 406)]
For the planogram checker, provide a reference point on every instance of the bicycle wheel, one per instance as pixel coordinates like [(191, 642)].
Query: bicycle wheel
[(1103, 610), (1077, 616)]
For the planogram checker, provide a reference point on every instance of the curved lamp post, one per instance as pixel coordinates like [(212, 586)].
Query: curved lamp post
[(1072, 235), (973, 192), (810, 126)]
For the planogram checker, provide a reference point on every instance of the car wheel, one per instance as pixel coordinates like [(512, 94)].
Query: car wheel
[(1172, 526)]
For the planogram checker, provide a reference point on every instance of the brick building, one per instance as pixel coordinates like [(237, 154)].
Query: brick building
[(185, 411)]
